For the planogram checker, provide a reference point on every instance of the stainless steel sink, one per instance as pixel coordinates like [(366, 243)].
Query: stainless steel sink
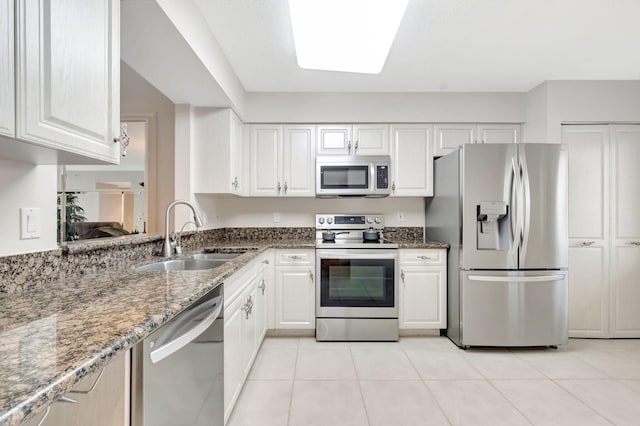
[(182, 265), (210, 256)]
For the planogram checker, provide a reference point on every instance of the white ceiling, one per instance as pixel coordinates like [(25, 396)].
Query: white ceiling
[(444, 45)]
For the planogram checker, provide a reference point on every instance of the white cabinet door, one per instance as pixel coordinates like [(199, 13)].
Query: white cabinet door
[(498, 133), (588, 156), (625, 230), (449, 136), (295, 297), (233, 354), (334, 140), (422, 297), (266, 143), (299, 159), (7, 71), (237, 184), (412, 160), (249, 328), (371, 139), (261, 304), (68, 73), (423, 289)]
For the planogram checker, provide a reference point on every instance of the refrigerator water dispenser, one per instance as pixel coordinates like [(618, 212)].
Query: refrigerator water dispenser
[(492, 230)]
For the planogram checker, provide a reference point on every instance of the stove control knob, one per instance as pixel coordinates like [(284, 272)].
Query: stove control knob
[(369, 219), (321, 220), (378, 220), (329, 220)]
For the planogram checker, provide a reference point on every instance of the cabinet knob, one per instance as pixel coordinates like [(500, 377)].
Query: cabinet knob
[(311, 275)]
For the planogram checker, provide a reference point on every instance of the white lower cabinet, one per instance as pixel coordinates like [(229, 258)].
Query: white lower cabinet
[(99, 398), (246, 304), (295, 290), (423, 289)]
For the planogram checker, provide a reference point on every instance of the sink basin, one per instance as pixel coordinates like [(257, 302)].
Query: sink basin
[(210, 256), (182, 265)]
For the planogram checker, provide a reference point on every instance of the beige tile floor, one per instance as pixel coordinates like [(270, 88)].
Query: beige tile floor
[(429, 381)]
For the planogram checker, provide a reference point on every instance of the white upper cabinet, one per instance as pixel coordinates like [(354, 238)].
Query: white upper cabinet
[(412, 160), (282, 160), (356, 139), (67, 77), (498, 133), (218, 152), (7, 87), (449, 136)]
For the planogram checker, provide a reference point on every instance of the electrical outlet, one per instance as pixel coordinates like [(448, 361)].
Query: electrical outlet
[(276, 217), (400, 216)]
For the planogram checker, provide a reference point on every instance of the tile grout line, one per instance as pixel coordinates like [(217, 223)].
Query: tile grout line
[(364, 405), (293, 381), (580, 399)]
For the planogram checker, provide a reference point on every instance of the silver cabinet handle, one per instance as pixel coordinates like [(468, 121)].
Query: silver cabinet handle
[(235, 183), (356, 148), (266, 262), (516, 279), (286, 187), (424, 258), (393, 186), (66, 399), (311, 275), (83, 392), (262, 286), (349, 147), (402, 275), (587, 243), (279, 187), (635, 243), (294, 257)]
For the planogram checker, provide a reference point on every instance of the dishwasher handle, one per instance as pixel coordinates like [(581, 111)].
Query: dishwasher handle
[(177, 343)]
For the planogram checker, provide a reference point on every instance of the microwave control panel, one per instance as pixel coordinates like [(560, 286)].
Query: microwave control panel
[(382, 177)]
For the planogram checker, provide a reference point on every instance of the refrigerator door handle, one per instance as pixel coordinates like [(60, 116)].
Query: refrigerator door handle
[(514, 215), (503, 279), (526, 208)]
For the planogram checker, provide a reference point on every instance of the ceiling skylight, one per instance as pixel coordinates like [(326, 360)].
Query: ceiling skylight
[(345, 35)]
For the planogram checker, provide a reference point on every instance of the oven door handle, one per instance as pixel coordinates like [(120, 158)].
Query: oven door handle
[(330, 255)]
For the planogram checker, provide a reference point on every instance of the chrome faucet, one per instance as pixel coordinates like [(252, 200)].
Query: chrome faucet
[(167, 250)]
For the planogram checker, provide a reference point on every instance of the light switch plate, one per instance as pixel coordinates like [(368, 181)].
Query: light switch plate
[(29, 223)]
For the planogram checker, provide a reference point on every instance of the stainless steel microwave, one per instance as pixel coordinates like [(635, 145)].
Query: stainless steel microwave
[(352, 176)]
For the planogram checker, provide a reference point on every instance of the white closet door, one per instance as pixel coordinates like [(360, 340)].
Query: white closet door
[(625, 231), (588, 154)]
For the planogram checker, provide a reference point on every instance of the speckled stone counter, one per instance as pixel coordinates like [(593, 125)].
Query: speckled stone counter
[(54, 335), (97, 306)]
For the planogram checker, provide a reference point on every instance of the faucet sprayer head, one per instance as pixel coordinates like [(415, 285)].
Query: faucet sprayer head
[(196, 218)]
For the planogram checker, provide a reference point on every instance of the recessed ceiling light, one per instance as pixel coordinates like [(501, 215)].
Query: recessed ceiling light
[(345, 35)]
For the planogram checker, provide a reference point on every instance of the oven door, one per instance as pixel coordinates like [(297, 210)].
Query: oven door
[(357, 283)]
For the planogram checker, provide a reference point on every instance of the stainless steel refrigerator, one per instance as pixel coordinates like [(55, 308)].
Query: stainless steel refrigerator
[(502, 208)]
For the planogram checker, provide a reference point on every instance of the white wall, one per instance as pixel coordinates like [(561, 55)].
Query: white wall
[(553, 103), (139, 98), (384, 107), (26, 185), (232, 211)]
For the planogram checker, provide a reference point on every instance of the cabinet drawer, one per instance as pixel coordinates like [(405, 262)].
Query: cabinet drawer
[(236, 283), (422, 257), (295, 257)]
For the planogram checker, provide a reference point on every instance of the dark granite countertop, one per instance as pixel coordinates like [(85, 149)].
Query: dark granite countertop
[(54, 335)]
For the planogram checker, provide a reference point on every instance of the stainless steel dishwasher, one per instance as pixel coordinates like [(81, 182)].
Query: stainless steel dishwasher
[(178, 376)]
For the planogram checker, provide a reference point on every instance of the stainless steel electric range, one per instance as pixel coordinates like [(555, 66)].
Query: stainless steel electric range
[(357, 285)]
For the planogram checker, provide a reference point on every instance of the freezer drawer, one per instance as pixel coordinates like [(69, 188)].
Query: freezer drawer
[(514, 308)]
